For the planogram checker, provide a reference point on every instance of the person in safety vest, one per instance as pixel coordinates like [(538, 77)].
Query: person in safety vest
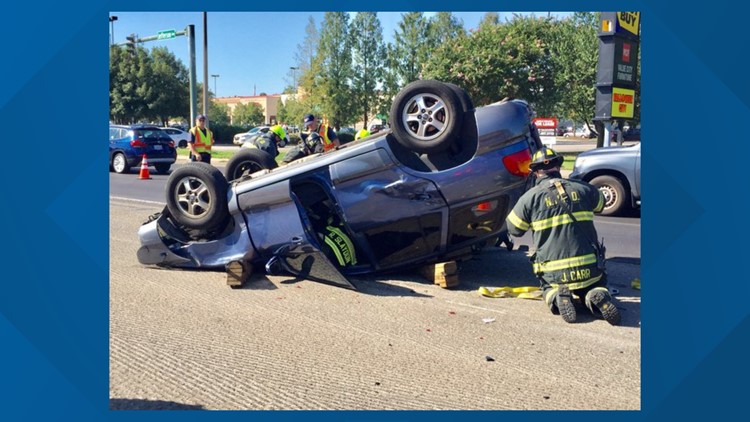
[(319, 138), (568, 258), (327, 135), (201, 140), (363, 133), (268, 141)]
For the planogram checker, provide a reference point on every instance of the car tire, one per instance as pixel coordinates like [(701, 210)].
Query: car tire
[(434, 131), (247, 161), (162, 168), (120, 163), (197, 196), (463, 97), (616, 197)]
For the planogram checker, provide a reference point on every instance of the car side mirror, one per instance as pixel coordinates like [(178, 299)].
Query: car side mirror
[(182, 144)]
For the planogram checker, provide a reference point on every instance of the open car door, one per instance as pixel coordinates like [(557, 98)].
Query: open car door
[(305, 261)]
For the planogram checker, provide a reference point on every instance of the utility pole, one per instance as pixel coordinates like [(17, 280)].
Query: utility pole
[(191, 49), (205, 69), (112, 20)]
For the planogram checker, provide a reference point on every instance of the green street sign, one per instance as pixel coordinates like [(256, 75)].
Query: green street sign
[(163, 35)]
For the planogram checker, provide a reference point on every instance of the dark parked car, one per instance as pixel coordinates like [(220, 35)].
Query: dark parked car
[(128, 144), (616, 171), (435, 187), (632, 134)]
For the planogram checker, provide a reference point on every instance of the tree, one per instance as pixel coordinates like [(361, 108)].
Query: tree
[(248, 114), (218, 113), (367, 72), (444, 27), (333, 91), (411, 50), (510, 60), (489, 19), (293, 111), (129, 82), (170, 93), (576, 53), (391, 84)]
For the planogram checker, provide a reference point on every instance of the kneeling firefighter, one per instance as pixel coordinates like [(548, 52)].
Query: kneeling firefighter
[(568, 258)]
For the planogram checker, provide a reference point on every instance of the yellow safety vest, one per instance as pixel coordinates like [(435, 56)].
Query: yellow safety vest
[(323, 132), (202, 142)]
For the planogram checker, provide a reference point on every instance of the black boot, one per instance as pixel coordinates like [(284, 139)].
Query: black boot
[(564, 302), (599, 300)]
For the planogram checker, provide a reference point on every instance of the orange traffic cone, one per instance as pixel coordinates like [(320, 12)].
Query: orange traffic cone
[(145, 175)]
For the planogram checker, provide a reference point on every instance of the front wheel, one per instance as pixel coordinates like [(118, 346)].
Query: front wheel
[(616, 197), (426, 116), (197, 196)]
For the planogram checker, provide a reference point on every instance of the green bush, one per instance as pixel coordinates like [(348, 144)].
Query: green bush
[(224, 134)]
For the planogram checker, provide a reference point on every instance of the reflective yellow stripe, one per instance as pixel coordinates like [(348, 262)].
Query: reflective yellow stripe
[(516, 221), (585, 283), (600, 205), (347, 241), (563, 264), (330, 242), (560, 220), (578, 285)]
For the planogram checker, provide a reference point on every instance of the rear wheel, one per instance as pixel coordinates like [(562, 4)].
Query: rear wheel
[(247, 161), (426, 116), (197, 196), (616, 197), (120, 163)]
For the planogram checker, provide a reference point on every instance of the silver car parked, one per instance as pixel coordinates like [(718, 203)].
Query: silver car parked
[(616, 171)]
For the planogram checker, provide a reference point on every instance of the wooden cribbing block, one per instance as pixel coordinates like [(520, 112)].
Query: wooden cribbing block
[(444, 274), (237, 273)]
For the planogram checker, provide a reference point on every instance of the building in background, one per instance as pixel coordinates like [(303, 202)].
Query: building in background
[(270, 104)]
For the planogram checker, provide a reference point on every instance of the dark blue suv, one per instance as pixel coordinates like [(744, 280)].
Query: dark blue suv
[(128, 144)]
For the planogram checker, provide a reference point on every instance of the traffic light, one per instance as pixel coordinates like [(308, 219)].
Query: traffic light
[(131, 44)]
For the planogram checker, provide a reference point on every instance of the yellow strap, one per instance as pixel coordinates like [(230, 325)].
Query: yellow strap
[(526, 292)]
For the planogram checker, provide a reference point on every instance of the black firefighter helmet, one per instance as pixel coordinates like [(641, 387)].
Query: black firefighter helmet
[(546, 158)]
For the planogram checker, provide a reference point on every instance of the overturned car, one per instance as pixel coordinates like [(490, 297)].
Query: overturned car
[(437, 186)]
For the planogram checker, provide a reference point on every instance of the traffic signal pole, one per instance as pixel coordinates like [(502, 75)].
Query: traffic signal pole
[(133, 40), (193, 83)]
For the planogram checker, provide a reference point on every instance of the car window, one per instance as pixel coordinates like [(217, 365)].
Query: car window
[(151, 134), (170, 131), (117, 133)]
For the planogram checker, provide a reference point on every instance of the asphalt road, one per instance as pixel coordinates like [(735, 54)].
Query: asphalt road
[(184, 340)]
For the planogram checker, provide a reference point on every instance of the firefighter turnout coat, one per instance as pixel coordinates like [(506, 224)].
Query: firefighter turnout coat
[(567, 251)]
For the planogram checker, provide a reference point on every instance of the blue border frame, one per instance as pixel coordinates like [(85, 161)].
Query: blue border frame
[(54, 303)]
